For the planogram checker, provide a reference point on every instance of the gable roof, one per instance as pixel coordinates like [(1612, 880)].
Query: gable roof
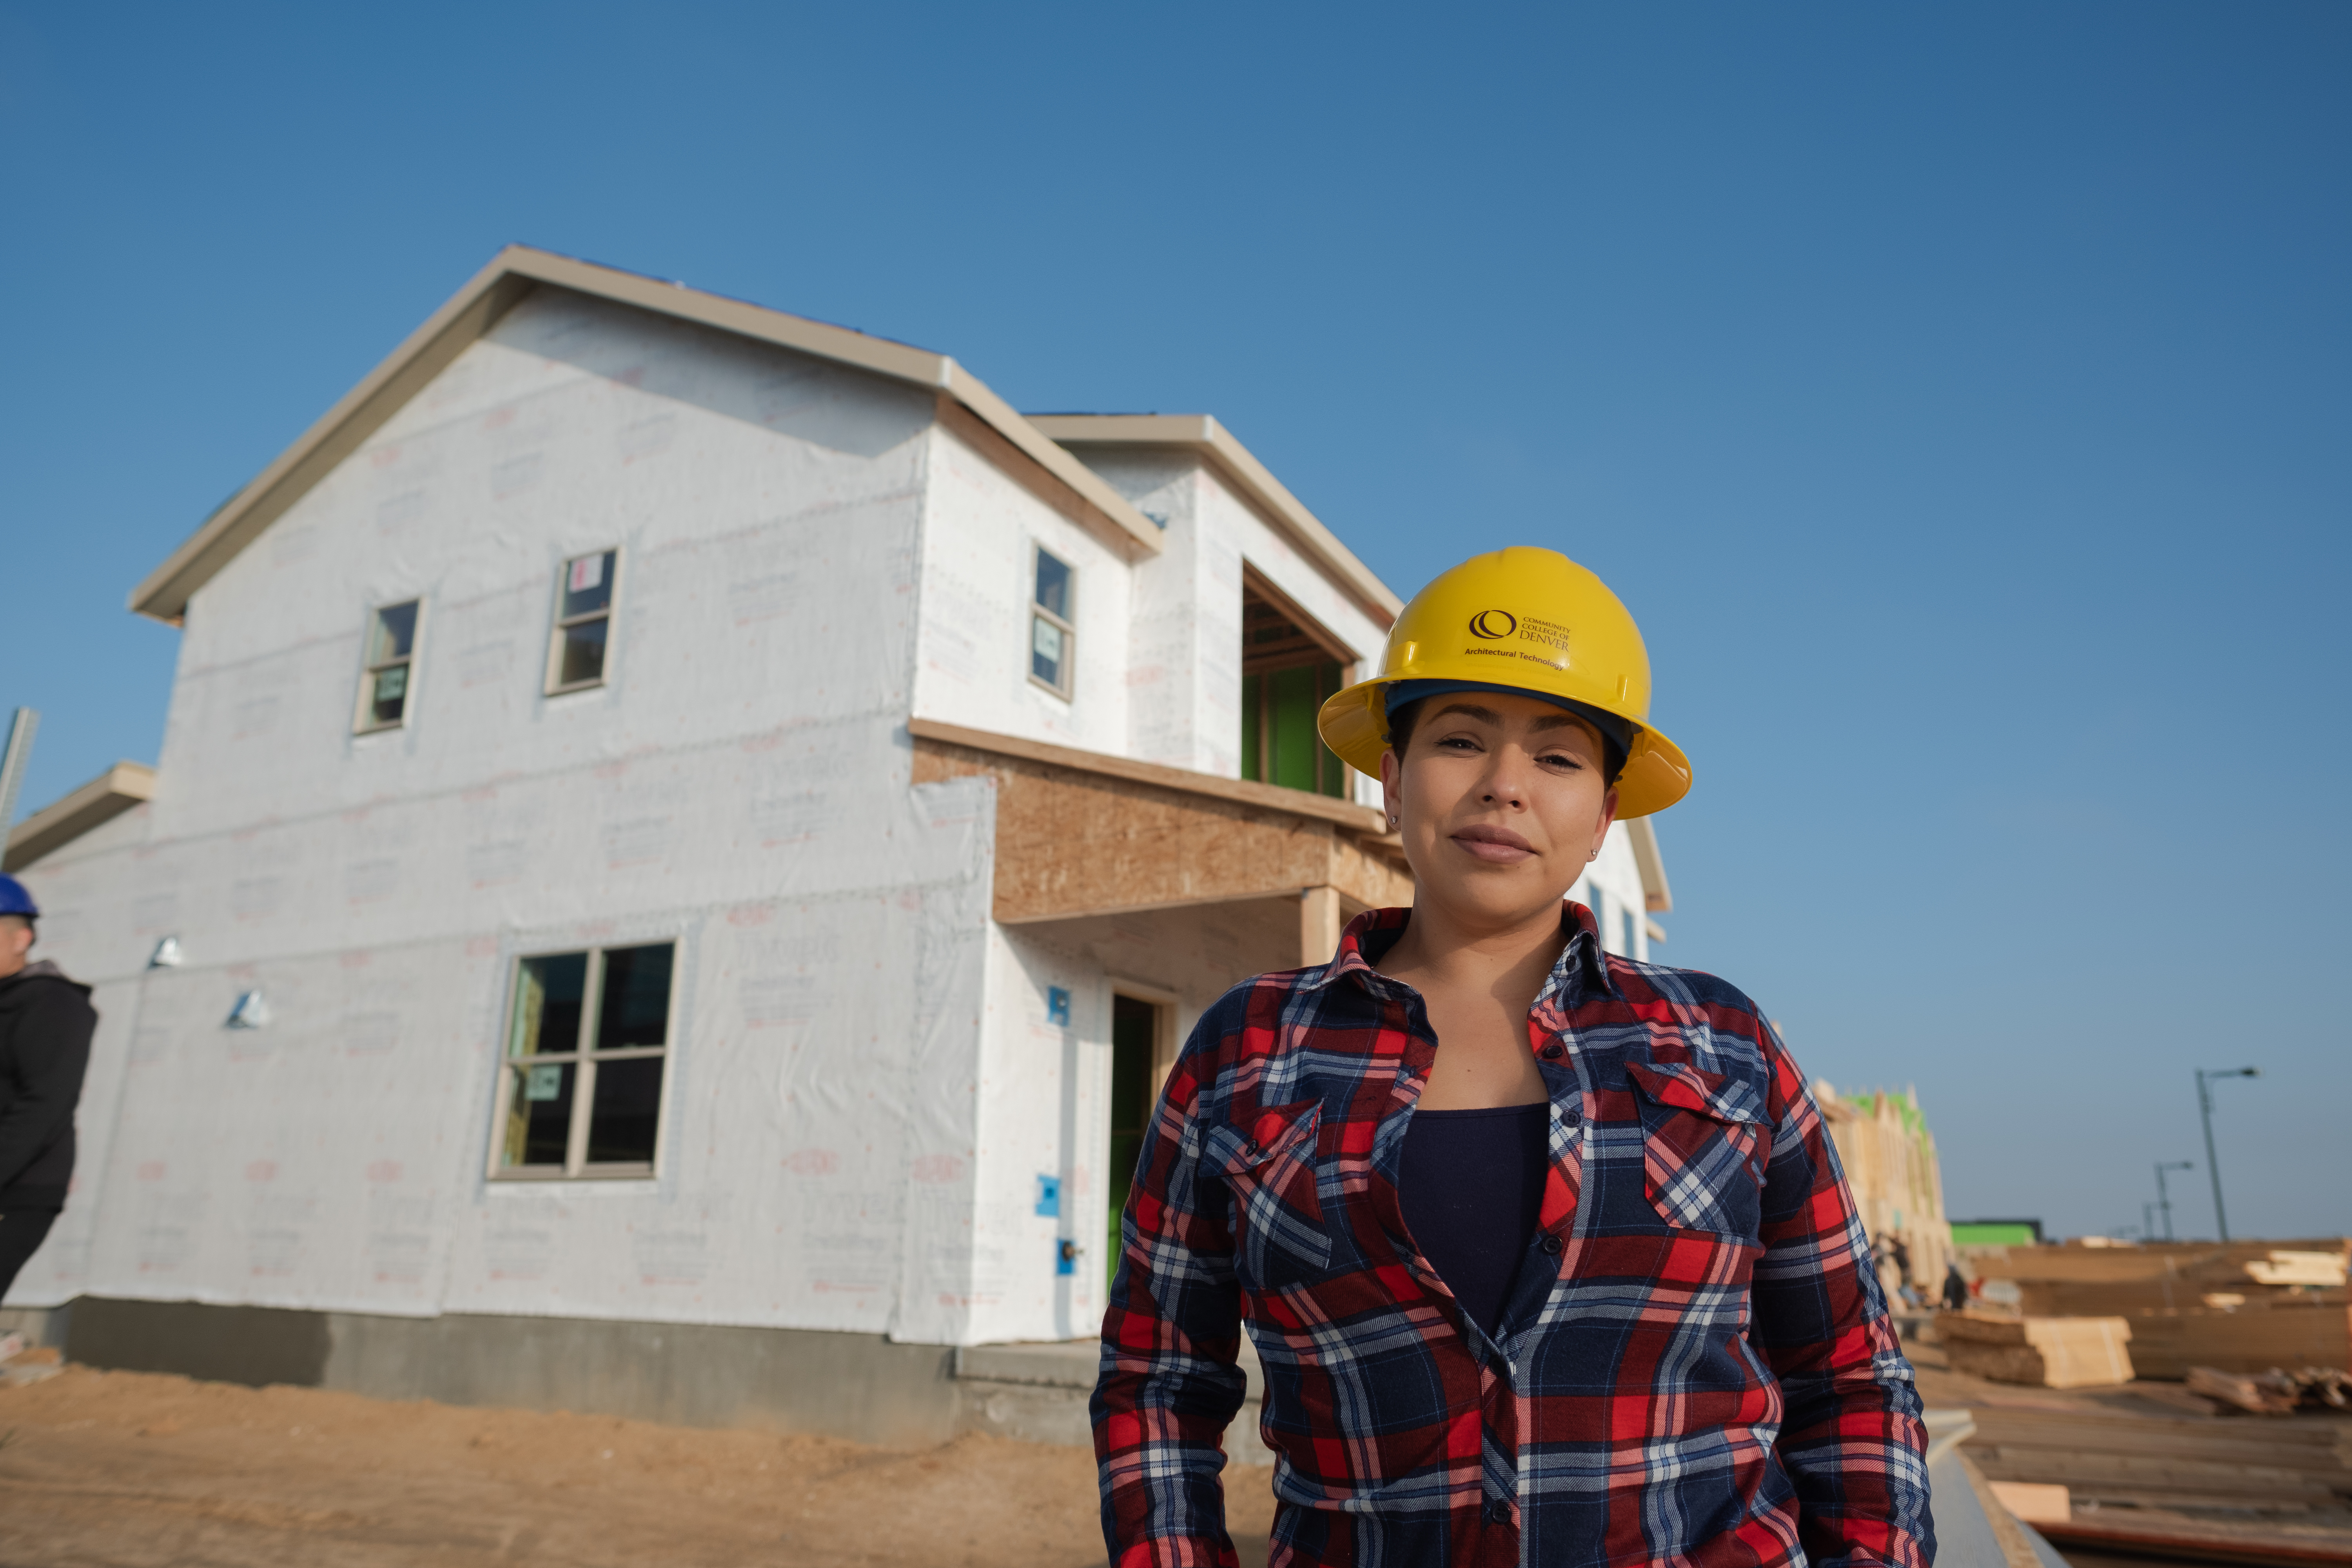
[(513, 274), (1201, 434)]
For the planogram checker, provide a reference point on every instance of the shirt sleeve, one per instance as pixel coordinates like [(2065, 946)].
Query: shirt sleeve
[(52, 1054), (1170, 1385), (1851, 1436)]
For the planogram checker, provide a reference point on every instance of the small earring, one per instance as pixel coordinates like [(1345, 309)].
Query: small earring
[(1393, 819), (1594, 856)]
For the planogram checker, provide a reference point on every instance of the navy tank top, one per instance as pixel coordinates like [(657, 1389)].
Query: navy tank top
[(1471, 1185)]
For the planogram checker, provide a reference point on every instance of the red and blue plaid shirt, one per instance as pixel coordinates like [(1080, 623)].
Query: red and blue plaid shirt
[(1695, 1365)]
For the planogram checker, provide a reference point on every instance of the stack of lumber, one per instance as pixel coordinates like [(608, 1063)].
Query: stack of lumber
[(2048, 1352), (2098, 1281), (1891, 1168), (2243, 1308), (2290, 1464), (2275, 1392)]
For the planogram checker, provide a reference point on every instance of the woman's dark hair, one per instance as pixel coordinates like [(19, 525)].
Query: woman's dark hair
[(1408, 714)]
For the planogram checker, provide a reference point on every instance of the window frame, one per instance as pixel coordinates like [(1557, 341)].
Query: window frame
[(558, 624), (1258, 585), (363, 709), (1065, 625), (584, 1058)]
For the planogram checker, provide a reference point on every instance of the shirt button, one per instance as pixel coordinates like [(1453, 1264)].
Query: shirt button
[(1500, 1512), (1553, 1051), (1552, 1245)]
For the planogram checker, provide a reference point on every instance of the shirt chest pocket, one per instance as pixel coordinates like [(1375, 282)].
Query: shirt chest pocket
[(1702, 1152), (1270, 1169)]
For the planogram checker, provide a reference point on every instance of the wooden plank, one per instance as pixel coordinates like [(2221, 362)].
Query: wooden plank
[(1319, 925), (2195, 1542), (2316, 1443), (2253, 1339), (1347, 813), (1073, 841), (2079, 1467)]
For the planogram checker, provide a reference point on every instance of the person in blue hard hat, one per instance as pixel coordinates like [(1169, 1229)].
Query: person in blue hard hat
[(45, 1023)]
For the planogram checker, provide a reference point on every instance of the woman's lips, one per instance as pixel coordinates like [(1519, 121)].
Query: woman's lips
[(1499, 844)]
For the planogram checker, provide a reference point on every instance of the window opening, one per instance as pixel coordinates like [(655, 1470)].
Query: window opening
[(1053, 638), (583, 619), (1287, 671), (1134, 1089), (587, 1048), (391, 654)]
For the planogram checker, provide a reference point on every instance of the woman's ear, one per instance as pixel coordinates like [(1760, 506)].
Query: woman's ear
[(1608, 815), (1391, 796)]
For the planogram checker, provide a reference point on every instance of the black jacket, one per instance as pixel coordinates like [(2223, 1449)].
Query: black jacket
[(45, 1022)]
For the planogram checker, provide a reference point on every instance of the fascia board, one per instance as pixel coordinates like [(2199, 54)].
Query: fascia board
[(966, 388), (471, 312), (898, 360), (59, 823), (1642, 835), (356, 415), (1200, 433), (1360, 820)]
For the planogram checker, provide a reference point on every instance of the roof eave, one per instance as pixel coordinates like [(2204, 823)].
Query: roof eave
[(1202, 433), (475, 308), (93, 805)]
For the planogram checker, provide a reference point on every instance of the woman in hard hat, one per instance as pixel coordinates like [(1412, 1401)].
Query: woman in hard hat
[(1545, 1252)]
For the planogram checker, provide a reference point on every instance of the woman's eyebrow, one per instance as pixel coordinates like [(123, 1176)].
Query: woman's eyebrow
[(1471, 710)]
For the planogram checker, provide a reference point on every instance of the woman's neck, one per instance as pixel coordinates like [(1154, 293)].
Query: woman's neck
[(1451, 952)]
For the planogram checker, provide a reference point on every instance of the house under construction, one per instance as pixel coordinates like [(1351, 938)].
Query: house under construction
[(685, 840)]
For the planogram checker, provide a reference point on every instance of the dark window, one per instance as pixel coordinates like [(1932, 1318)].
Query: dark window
[(584, 618), (1053, 638), (580, 1087), (1134, 1038), (391, 656)]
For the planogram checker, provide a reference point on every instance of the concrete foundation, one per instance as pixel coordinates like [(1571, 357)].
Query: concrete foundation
[(861, 1387)]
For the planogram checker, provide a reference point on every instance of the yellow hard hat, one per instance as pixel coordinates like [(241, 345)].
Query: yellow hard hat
[(1521, 620)]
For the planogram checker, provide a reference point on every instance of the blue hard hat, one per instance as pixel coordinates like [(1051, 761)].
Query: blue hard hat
[(16, 900)]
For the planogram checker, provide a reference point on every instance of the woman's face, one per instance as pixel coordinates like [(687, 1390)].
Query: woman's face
[(1501, 800)]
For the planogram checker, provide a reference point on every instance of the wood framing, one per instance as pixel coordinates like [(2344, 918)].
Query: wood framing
[(1078, 833), (1657, 896)]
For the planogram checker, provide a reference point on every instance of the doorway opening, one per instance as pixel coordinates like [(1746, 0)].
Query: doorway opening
[(1138, 1026), (1289, 665)]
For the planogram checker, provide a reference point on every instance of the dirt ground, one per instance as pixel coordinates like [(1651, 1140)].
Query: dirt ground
[(122, 1470)]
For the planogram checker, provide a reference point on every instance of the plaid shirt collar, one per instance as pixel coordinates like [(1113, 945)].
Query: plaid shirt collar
[(1581, 972)]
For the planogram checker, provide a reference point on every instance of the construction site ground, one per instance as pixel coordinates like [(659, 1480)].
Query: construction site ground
[(113, 1469)]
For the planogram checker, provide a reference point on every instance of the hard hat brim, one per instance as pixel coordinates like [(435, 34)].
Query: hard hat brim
[(1354, 723)]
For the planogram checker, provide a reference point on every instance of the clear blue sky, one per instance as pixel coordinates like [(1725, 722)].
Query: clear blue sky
[(1958, 394)]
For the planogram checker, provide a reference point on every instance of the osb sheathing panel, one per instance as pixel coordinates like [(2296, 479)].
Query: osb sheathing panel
[(1070, 842)]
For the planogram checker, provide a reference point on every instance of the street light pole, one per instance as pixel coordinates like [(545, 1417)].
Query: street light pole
[(2206, 1077), (2164, 1202)]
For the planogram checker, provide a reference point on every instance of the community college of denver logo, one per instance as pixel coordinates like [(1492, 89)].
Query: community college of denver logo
[(1493, 625)]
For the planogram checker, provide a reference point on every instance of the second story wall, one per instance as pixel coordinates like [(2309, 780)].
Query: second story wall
[(761, 506), (978, 650)]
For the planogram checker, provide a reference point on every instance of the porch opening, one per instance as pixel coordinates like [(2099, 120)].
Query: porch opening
[(1136, 1029), (1289, 666)]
